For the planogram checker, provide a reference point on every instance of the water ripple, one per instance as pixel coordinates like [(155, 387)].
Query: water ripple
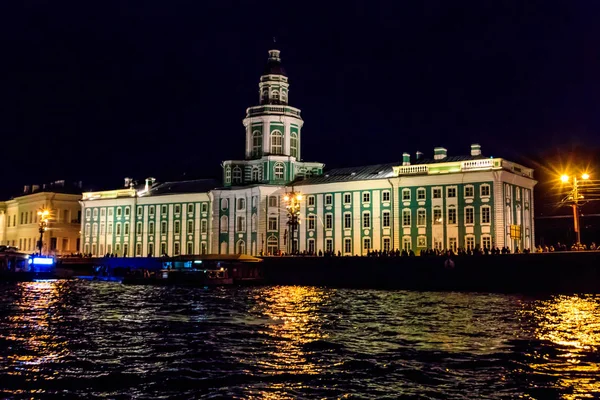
[(67, 339)]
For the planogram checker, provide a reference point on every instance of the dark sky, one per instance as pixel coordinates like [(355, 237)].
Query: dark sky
[(97, 91)]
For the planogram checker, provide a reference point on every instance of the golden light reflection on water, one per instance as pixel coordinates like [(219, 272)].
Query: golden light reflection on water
[(32, 331), (294, 311), (572, 324)]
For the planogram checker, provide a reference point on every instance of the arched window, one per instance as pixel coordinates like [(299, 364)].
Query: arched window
[(255, 174), (279, 170), (294, 145), (283, 96), (265, 95), (237, 175), (224, 224), (227, 174), (240, 247), (256, 144), (275, 95), (276, 142), (272, 245)]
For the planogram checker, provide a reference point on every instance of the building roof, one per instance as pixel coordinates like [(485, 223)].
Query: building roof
[(181, 187), (274, 67), (377, 171)]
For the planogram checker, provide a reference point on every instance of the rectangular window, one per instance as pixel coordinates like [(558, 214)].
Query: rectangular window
[(406, 218), (241, 204), (347, 221), (110, 212), (190, 210), (177, 208), (385, 196), (366, 220), (126, 229), (88, 214), (94, 213), (421, 194), (348, 246), (163, 227), (436, 193), (405, 194), (102, 213), (328, 221), (366, 197), (469, 191), (311, 246), (311, 222), (451, 192), (151, 227), (118, 229), (437, 216), (452, 215), (469, 215), (386, 244), (138, 228), (366, 244), (163, 248), (347, 198), (163, 210), (452, 241), (421, 241), (241, 224), (102, 230), (109, 229), (119, 212), (485, 190), (203, 226), (486, 242), (87, 230), (273, 201), (329, 245), (310, 200), (177, 227), (485, 215), (127, 211), (385, 219), (190, 248), (140, 210), (328, 200), (204, 207), (176, 248), (272, 223), (421, 217), (151, 211), (470, 243), (190, 226), (138, 249)]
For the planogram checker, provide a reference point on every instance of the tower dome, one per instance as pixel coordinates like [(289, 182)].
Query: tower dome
[(274, 66)]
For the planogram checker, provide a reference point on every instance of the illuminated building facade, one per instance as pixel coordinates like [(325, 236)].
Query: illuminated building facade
[(19, 220), (443, 202)]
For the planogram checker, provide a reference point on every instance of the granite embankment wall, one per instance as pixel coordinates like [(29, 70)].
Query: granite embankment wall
[(558, 272)]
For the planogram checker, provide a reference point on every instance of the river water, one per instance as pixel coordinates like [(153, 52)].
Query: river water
[(66, 339)]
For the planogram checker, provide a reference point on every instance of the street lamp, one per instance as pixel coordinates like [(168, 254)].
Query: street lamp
[(43, 223), (292, 205), (574, 196)]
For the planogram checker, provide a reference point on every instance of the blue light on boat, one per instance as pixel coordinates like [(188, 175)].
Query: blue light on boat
[(41, 261), (197, 261)]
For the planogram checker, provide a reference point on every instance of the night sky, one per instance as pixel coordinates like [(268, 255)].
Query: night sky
[(160, 88)]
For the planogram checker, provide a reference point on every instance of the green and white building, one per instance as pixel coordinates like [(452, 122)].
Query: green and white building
[(440, 202)]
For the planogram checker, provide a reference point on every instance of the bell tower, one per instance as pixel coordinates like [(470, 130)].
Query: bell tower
[(273, 135)]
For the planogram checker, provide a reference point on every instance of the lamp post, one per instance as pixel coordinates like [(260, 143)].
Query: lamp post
[(574, 196), (43, 223), (292, 205)]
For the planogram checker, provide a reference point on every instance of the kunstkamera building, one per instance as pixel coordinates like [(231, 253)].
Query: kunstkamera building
[(430, 201)]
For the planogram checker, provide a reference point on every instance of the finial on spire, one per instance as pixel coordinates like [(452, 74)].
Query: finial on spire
[(274, 39)]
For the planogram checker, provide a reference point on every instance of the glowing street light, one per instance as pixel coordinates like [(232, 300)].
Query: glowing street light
[(43, 223), (292, 205), (575, 196)]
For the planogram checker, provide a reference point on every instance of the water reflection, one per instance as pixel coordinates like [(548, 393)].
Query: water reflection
[(297, 322), (571, 325), (31, 332)]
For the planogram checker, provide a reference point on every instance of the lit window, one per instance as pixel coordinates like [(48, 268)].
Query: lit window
[(469, 215), (256, 144), (348, 246), (366, 244), (437, 215), (485, 190), (421, 217), (421, 194), (451, 192), (279, 171), (485, 215), (311, 222), (294, 145), (328, 221), (386, 219), (276, 142), (237, 175), (366, 220), (272, 224), (227, 174), (386, 244), (469, 191), (405, 217), (452, 215), (421, 241), (405, 194)]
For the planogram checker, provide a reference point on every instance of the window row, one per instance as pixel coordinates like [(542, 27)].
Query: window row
[(151, 210), (451, 191), (276, 143), (235, 176), (139, 228)]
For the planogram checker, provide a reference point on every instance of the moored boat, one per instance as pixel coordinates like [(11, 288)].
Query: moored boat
[(19, 266)]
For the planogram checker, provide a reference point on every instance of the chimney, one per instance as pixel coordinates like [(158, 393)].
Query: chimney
[(127, 182), (419, 155), (475, 150), (35, 188), (405, 159), (439, 153), (26, 189)]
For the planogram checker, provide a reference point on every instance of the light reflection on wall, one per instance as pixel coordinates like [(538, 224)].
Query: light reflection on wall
[(572, 325), (32, 333), (294, 311)]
